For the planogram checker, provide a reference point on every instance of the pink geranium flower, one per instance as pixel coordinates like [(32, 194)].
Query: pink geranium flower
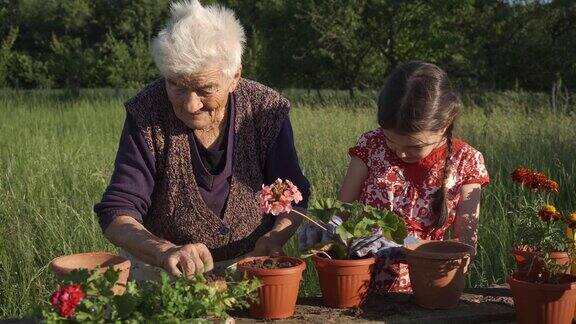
[(278, 197)]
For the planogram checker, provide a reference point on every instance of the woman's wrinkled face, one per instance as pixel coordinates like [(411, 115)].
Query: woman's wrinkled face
[(414, 147), (200, 100)]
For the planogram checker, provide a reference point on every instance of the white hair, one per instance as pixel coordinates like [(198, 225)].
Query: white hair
[(196, 38)]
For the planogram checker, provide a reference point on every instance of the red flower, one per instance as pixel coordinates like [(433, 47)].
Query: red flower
[(534, 180), (521, 175), (66, 300), (551, 185)]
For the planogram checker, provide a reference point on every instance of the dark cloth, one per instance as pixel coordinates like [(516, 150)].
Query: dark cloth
[(132, 183), (178, 212)]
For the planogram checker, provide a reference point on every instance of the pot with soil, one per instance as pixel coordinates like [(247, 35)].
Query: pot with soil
[(530, 260), (280, 278), (437, 272), (62, 266), (344, 283), (543, 303)]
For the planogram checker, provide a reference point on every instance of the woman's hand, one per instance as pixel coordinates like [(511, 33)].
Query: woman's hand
[(266, 246), (187, 259)]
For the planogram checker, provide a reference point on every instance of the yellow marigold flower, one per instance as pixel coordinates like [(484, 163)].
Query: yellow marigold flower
[(549, 212), (572, 217), (549, 209)]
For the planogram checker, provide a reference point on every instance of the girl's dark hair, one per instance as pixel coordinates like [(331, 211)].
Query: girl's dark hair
[(417, 97)]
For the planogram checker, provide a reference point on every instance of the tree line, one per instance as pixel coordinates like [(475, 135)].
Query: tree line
[(314, 44)]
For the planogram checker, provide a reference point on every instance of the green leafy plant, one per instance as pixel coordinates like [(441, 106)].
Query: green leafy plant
[(540, 227), (362, 221), (87, 296), (169, 300)]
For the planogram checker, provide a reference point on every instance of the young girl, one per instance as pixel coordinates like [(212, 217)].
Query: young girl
[(412, 165)]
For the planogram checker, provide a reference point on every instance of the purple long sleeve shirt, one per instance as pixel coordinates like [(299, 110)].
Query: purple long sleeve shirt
[(130, 189)]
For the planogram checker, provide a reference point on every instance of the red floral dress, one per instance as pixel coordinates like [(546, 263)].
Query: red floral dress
[(408, 188)]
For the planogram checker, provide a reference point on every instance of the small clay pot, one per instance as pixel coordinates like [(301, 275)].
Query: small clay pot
[(344, 283), (437, 272), (538, 303), (531, 262), (61, 266), (279, 290)]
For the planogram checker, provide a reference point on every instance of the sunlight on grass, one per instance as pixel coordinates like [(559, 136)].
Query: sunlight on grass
[(56, 157)]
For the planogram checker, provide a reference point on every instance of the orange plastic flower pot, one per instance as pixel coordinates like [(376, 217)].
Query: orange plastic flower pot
[(531, 263), (437, 272), (538, 303), (61, 266), (279, 290), (344, 283)]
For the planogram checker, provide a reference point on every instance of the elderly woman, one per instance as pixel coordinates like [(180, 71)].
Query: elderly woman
[(196, 147)]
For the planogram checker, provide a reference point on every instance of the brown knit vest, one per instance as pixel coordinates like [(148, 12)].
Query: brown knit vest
[(177, 212)]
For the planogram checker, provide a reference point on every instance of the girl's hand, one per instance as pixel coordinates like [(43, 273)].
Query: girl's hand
[(310, 234), (376, 245)]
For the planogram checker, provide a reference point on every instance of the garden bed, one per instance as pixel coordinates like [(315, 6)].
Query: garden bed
[(488, 305), (484, 305)]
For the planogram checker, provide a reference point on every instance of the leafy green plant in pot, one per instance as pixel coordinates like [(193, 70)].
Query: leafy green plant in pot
[(539, 232), (87, 296), (345, 278), (542, 289)]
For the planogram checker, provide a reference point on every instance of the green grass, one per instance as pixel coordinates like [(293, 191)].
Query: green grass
[(56, 157)]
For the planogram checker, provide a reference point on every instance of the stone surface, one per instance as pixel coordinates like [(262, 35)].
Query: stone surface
[(488, 305)]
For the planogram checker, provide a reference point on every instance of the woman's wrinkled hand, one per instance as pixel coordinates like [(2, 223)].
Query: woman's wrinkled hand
[(186, 260), (265, 246)]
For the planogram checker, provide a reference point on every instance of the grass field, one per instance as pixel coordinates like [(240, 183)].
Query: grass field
[(56, 157)]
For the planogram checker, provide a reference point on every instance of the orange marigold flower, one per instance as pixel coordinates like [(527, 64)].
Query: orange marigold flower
[(521, 175), (534, 180), (551, 186)]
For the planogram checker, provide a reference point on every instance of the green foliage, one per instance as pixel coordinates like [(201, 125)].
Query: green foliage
[(128, 63), (542, 229), (168, 301), (324, 209), (6, 55), (315, 44), (99, 305), (531, 231), (57, 156), (361, 221)]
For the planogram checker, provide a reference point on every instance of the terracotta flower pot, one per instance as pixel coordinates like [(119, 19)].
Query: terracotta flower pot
[(437, 272), (61, 266), (543, 303), (531, 263), (344, 283), (279, 290)]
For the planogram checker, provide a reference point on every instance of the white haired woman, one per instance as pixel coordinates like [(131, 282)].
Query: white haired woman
[(197, 145)]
